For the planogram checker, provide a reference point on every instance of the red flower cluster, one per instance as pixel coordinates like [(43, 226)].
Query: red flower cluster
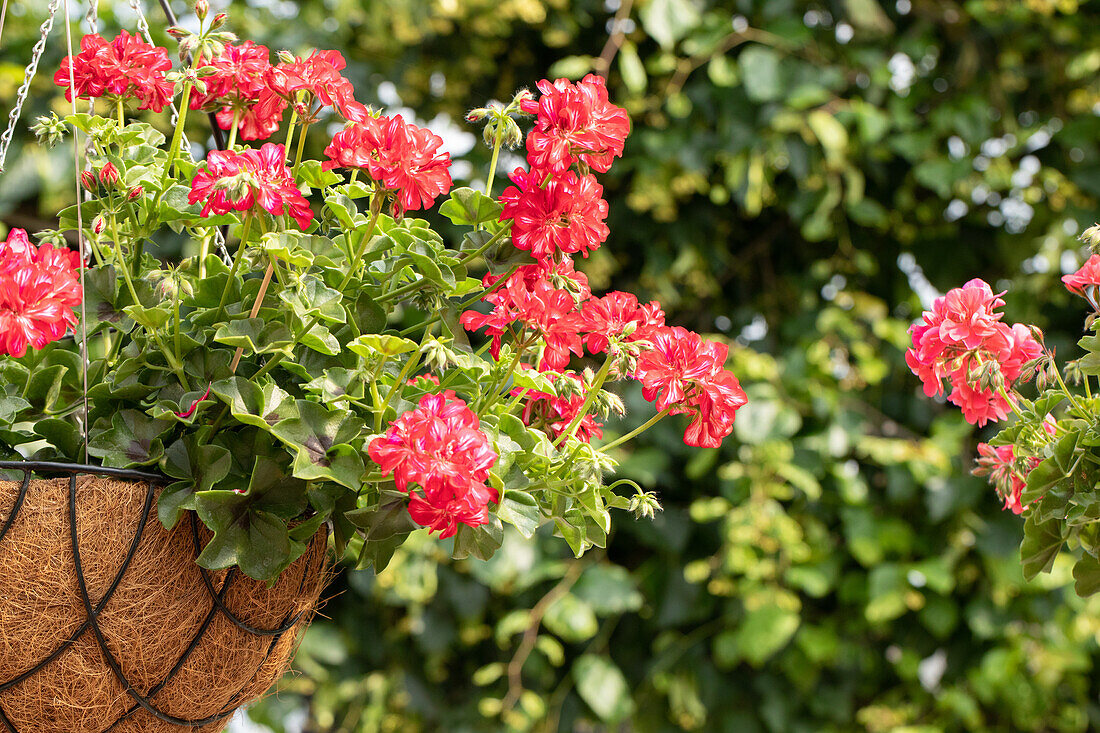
[(240, 85), (400, 156), (530, 301), (618, 315), (124, 68), (686, 374), (439, 447), (962, 340), (1085, 279), (239, 181), (576, 122), (319, 76), (38, 290), (555, 213)]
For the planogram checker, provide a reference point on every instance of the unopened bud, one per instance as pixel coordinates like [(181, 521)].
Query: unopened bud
[(89, 181), (187, 45), (99, 224), (108, 175), (136, 192), (1091, 237), (202, 9), (644, 505), (286, 57), (219, 20), (49, 130), (475, 115), (177, 32)]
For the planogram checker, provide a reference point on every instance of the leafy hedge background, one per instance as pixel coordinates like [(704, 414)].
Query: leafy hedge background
[(801, 178)]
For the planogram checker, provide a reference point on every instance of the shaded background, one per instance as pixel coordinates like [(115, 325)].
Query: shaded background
[(802, 178)]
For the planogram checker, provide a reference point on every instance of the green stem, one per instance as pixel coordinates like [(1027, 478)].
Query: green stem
[(1072, 397), (177, 136), (121, 113), (589, 398), (401, 377), (245, 227), (638, 430), (353, 265), (173, 361), (489, 243), (233, 129), (492, 393), (301, 148), (493, 161), (290, 131), (376, 399)]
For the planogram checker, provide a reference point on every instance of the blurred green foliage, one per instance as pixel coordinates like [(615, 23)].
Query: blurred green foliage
[(800, 176)]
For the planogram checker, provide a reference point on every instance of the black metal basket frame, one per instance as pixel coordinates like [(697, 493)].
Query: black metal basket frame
[(93, 611)]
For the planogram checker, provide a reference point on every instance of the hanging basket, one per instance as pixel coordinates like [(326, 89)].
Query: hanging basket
[(107, 624)]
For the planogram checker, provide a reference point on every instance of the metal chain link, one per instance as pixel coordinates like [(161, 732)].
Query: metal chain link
[(28, 76)]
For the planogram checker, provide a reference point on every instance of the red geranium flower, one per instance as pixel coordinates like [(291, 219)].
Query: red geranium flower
[(555, 213), (575, 122), (961, 339), (1086, 277), (686, 374), (399, 155), (320, 76), (239, 181), (239, 85), (126, 67), (38, 290), (439, 447), (612, 315), (532, 303)]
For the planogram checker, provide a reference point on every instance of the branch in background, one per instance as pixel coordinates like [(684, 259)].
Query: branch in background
[(602, 65)]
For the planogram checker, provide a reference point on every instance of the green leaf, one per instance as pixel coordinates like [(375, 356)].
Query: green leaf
[(571, 618), (603, 687), (132, 440), (1086, 574), (480, 542), (760, 73), (467, 207), (372, 345), (521, 510), (256, 336), (609, 589), (1041, 544), (384, 530), (319, 439), (764, 632), (668, 21)]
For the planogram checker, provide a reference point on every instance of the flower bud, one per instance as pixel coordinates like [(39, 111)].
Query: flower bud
[(202, 8), (177, 32), (219, 20), (286, 57), (1091, 237), (49, 130), (135, 193), (99, 224), (108, 175), (476, 115), (89, 181), (644, 505)]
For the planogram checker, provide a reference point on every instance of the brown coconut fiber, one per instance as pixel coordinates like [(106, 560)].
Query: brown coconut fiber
[(171, 643)]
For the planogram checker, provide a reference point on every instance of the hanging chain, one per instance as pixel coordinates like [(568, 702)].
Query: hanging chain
[(143, 29), (28, 76)]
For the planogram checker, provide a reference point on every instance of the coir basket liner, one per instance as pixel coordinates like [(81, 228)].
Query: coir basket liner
[(108, 625)]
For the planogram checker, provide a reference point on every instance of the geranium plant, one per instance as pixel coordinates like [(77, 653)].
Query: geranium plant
[(280, 380), (1045, 464)]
